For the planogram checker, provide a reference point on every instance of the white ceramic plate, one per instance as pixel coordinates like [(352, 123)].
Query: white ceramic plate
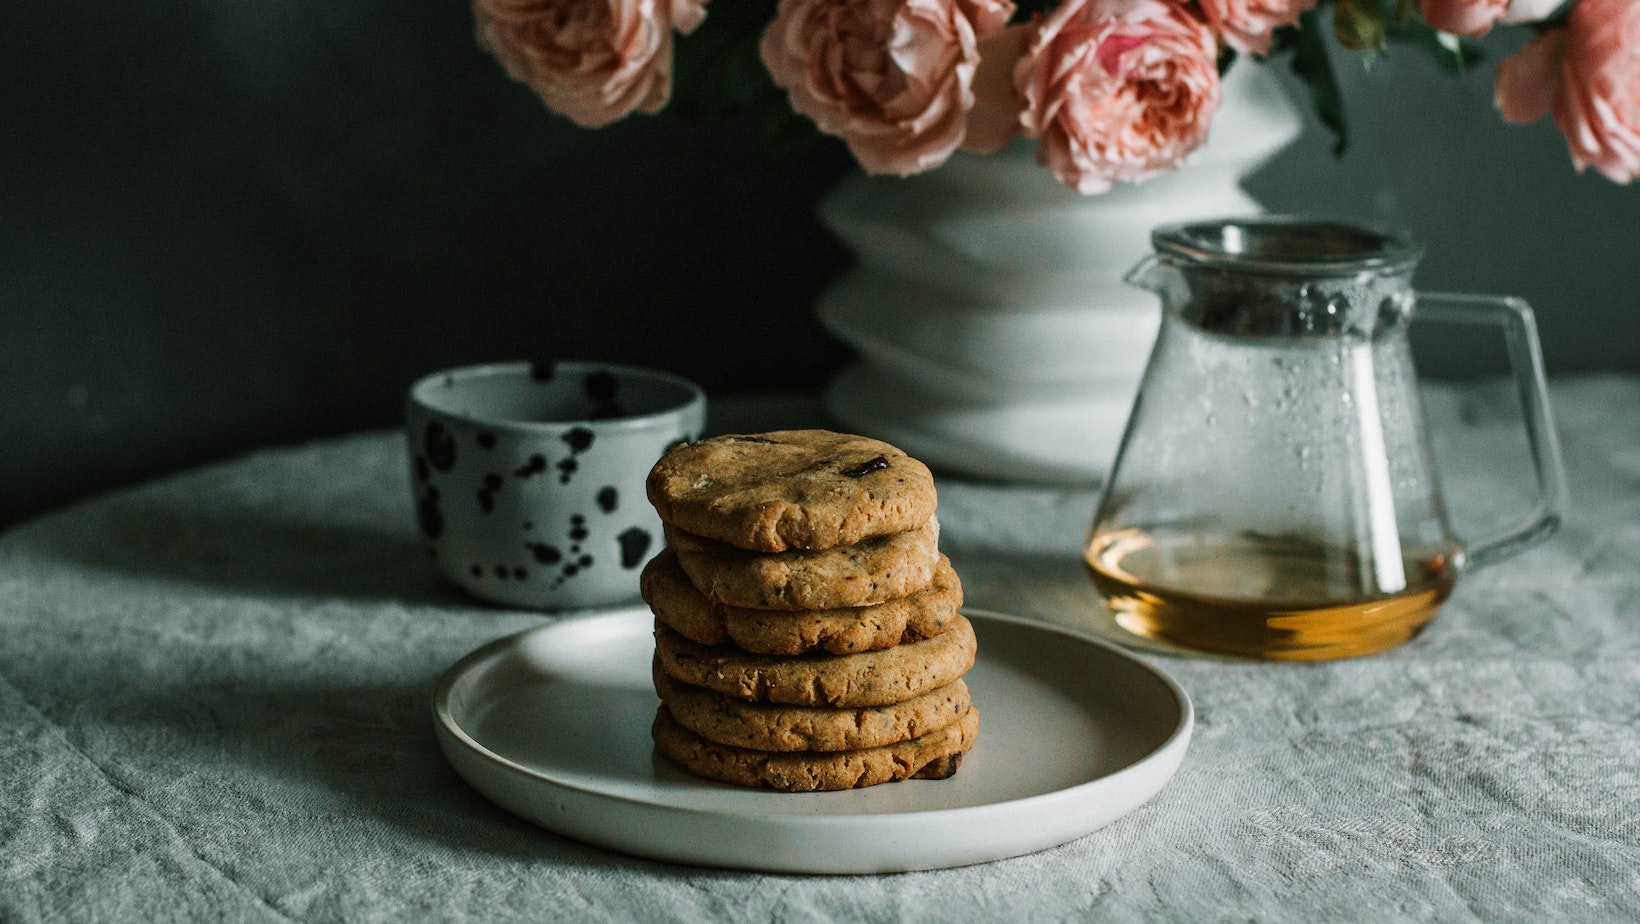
[(552, 724)]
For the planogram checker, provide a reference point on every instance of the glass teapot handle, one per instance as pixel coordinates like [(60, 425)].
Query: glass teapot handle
[(1526, 361), (1146, 274)]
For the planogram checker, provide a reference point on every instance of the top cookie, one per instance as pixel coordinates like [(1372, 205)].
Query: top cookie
[(791, 489)]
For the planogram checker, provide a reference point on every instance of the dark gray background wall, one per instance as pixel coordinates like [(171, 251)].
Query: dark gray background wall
[(233, 223)]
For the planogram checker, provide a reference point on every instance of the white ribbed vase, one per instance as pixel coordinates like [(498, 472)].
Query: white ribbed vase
[(994, 332)]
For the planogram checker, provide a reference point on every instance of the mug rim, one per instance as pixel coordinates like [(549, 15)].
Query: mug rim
[(695, 396), (1224, 243)]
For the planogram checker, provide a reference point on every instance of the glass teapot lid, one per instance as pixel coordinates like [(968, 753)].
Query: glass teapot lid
[(1287, 246), (1283, 277)]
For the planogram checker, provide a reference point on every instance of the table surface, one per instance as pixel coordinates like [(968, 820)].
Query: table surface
[(214, 705)]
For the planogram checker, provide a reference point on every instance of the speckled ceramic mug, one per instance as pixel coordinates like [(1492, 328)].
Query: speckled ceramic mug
[(528, 479)]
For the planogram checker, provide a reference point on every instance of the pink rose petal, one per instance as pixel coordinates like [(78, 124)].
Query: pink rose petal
[(1246, 25), (1526, 83), (1598, 104)]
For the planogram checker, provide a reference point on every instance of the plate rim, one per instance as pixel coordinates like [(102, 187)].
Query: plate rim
[(1177, 738)]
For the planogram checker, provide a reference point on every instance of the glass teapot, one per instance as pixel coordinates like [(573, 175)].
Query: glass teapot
[(1273, 495)]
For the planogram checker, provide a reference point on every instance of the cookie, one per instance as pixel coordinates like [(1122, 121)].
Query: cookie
[(935, 755), (869, 678), (676, 602), (791, 489), (869, 572), (766, 727)]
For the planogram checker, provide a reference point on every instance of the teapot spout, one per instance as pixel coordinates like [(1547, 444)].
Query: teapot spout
[(1149, 274)]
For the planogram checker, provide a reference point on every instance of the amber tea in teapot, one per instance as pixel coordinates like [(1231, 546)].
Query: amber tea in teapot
[(1248, 591), (1273, 496)]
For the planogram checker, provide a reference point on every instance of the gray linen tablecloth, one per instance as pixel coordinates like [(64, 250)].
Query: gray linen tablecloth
[(214, 706)]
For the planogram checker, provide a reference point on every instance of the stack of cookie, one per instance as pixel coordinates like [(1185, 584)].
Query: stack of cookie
[(807, 631)]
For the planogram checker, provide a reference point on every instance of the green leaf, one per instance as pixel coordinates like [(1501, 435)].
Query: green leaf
[(1359, 24), (1311, 64), (716, 69), (1282, 40), (1453, 53)]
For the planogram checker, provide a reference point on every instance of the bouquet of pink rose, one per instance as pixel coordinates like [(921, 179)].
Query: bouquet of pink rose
[(1111, 90)]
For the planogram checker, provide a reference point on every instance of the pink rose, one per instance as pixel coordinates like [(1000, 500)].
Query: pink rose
[(1476, 17), (1245, 25), (1526, 83), (1598, 106), (892, 78), (1118, 90), (594, 61)]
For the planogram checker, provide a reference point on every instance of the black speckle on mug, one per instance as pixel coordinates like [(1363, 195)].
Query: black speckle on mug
[(543, 370), (501, 571), (535, 466), (584, 561), (578, 531), (528, 524), (608, 499), (492, 482), (575, 549), (478, 571), (428, 515), (486, 501), (570, 570), (486, 439), (440, 446), (568, 466), (520, 574), (422, 469), (634, 543), (579, 439), (545, 554)]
